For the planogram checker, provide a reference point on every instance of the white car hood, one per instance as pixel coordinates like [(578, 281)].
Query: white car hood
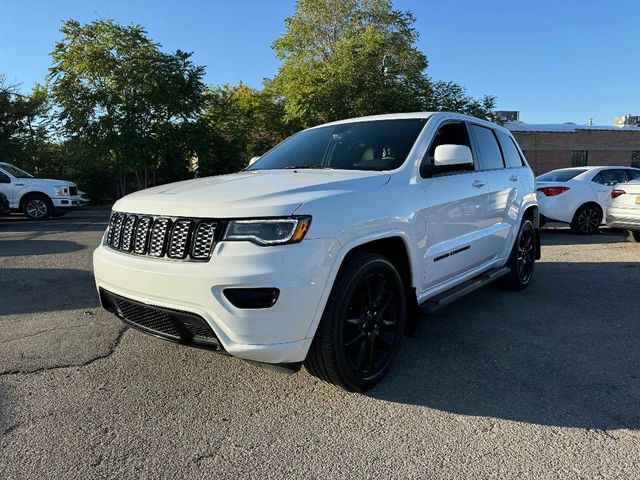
[(255, 193), (46, 182)]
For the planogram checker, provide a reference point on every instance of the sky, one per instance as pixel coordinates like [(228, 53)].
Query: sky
[(554, 61)]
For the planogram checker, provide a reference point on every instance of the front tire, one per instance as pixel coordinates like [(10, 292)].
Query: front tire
[(522, 260), (632, 236), (362, 324), (587, 219), (37, 207)]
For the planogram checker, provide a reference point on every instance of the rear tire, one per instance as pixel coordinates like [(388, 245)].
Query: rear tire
[(632, 236), (37, 206), (543, 221), (587, 219), (362, 324), (522, 260)]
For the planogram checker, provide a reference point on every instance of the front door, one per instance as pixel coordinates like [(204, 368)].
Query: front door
[(455, 209)]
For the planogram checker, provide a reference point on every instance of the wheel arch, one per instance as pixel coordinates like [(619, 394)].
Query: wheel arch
[(394, 246), (28, 194), (588, 203)]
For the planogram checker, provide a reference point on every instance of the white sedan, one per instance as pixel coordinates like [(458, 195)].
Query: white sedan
[(579, 196), (624, 211)]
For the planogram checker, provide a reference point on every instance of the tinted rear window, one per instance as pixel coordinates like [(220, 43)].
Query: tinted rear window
[(511, 155), (490, 154), (561, 175)]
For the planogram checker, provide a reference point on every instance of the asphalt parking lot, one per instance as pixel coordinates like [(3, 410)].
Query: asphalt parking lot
[(542, 383)]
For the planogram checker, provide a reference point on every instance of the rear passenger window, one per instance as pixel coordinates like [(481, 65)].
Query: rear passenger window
[(610, 177), (511, 154), (490, 154), (633, 174)]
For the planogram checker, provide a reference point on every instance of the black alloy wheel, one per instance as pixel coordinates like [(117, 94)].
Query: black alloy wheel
[(370, 329), (526, 255), (362, 324), (522, 260)]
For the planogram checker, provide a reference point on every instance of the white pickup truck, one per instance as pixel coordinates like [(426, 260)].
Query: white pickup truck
[(37, 198), (323, 250)]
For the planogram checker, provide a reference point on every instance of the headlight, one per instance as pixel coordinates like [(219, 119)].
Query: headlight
[(61, 191), (268, 231)]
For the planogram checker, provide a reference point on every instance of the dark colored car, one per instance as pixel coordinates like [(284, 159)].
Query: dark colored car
[(4, 204)]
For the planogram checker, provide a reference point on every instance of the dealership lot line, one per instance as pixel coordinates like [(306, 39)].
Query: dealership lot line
[(542, 383)]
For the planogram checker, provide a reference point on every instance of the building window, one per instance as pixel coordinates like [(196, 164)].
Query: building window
[(579, 158), (635, 159)]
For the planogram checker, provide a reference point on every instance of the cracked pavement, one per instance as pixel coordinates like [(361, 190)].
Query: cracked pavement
[(538, 384)]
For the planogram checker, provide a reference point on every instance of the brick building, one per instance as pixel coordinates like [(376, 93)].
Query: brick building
[(569, 145)]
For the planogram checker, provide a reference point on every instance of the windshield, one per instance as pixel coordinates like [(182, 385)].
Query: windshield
[(561, 175), (15, 171), (369, 145)]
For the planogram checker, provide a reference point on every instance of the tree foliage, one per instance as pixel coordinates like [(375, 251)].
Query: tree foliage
[(239, 122), (451, 97), (124, 99), (348, 58), (25, 128)]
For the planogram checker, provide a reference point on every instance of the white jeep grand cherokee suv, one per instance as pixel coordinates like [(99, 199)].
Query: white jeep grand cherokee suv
[(325, 249)]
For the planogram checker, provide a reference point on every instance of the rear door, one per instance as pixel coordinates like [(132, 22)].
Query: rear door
[(603, 183), (455, 209), (503, 189)]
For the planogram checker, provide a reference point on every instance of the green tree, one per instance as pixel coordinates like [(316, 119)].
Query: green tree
[(347, 58), (24, 128), (237, 123), (451, 97), (125, 101)]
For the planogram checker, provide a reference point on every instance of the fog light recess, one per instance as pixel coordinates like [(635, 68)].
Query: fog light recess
[(252, 297)]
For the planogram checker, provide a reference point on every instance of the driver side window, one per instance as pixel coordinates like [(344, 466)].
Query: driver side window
[(4, 178), (451, 133)]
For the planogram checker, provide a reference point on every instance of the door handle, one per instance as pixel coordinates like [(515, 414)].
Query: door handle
[(478, 184), (514, 178)]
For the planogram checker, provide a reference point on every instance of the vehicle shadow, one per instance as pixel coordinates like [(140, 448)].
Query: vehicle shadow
[(17, 248), (93, 220), (564, 236), (40, 290), (564, 352)]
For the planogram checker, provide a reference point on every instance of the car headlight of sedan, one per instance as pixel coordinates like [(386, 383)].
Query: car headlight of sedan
[(62, 191), (268, 231)]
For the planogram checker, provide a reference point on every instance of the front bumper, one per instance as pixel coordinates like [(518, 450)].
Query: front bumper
[(279, 334), (64, 203), (627, 218)]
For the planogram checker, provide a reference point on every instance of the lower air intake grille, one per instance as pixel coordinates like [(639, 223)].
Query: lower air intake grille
[(175, 325), (164, 237)]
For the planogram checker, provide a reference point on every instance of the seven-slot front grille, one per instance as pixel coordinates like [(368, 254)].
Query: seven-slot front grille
[(163, 237)]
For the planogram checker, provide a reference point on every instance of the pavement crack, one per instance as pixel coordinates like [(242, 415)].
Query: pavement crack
[(110, 351), (44, 331), (10, 429)]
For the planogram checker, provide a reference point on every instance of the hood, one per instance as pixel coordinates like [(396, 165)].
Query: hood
[(257, 193), (45, 182)]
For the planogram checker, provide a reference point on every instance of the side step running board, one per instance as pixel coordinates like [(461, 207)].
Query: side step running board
[(445, 298)]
